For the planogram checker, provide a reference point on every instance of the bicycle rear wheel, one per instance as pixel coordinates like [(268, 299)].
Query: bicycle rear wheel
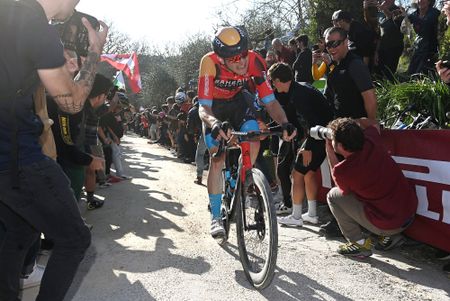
[(257, 232)]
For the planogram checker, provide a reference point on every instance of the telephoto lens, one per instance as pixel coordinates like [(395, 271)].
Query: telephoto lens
[(320, 132)]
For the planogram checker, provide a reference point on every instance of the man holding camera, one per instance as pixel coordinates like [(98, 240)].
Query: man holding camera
[(305, 107), (371, 190), (36, 196)]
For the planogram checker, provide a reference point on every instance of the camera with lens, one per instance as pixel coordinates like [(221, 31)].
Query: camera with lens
[(320, 132), (73, 33)]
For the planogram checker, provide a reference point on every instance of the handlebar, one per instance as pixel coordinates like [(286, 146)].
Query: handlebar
[(272, 131)]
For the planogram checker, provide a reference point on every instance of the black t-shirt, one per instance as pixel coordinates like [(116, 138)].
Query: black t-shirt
[(302, 67), (109, 121), (345, 84), (307, 104), (361, 39), (28, 43), (68, 137)]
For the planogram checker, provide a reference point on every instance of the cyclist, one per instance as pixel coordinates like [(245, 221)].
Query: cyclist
[(226, 103)]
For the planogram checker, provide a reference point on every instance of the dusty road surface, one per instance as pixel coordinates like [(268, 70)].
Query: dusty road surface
[(151, 242)]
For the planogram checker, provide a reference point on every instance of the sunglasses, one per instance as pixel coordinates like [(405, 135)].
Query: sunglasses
[(333, 44), (237, 58)]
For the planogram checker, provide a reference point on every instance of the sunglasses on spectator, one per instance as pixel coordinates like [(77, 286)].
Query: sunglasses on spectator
[(333, 44), (237, 58)]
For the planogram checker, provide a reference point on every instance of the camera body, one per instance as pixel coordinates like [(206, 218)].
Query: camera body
[(320, 132), (74, 34)]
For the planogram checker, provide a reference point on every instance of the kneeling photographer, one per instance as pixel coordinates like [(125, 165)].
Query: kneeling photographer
[(371, 190), (305, 107)]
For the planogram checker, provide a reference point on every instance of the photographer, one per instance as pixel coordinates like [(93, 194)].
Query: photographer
[(305, 107), (371, 190), (31, 203)]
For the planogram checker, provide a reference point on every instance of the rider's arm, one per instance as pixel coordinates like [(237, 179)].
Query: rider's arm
[(206, 90), (265, 91), (276, 112), (69, 94)]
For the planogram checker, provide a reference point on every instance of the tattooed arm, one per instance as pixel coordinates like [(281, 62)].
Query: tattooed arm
[(70, 94)]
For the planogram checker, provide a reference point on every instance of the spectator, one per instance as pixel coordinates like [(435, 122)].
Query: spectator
[(425, 23), (68, 130), (31, 203), (92, 108), (270, 58), (349, 90), (303, 63), (312, 108), (371, 190), (360, 37), (293, 46), (391, 42), (153, 124), (113, 131), (349, 86), (194, 127), (282, 53), (322, 63)]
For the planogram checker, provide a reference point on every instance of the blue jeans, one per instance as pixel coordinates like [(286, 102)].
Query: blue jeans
[(43, 203)]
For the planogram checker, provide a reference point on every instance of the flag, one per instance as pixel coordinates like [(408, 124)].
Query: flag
[(128, 63), (119, 81)]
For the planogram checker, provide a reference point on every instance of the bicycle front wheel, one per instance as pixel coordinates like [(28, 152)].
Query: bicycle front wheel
[(257, 232)]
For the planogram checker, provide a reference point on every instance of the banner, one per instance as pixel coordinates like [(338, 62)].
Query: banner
[(128, 63), (424, 157)]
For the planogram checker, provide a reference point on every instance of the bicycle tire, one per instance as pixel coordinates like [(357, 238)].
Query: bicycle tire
[(259, 275)]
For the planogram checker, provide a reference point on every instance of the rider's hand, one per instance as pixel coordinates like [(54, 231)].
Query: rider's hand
[(221, 130), (96, 38), (289, 131)]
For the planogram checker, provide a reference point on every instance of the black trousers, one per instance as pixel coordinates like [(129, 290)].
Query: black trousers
[(43, 203), (286, 159)]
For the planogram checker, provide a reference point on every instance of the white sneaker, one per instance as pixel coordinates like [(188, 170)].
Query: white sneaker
[(310, 219), (217, 229), (290, 221), (34, 279), (282, 209)]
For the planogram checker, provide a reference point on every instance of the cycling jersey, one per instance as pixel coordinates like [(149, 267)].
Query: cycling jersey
[(217, 82)]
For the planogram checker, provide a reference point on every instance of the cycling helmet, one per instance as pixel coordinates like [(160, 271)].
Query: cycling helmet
[(180, 97), (230, 41)]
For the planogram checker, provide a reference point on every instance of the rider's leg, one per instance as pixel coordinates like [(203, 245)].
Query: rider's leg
[(215, 186)]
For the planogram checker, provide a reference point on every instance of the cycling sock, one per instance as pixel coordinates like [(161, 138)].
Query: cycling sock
[(215, 201), (297, 211), (312, 207)]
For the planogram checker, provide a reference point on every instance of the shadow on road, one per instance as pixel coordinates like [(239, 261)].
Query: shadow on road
[(129, 237)]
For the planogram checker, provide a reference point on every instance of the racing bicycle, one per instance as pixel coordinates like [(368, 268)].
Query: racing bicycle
[(247, 200)]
